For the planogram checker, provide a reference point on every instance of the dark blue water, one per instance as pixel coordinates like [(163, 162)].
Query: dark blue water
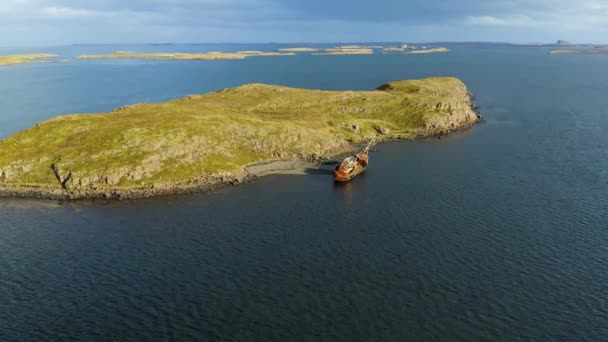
[(499, 233)]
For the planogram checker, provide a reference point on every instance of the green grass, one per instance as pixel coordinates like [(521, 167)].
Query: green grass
[(203, 135)]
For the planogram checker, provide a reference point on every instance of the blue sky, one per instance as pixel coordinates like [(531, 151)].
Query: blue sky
[(51, 22)]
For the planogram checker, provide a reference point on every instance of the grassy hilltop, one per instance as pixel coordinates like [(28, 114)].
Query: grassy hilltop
[(208, 139)]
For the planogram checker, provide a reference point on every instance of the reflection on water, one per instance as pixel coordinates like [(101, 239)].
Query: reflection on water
[(17, 203), (348, 189)]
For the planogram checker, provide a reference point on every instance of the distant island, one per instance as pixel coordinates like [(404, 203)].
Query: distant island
[(300, 49), (557, 52), (435, 50), (346, 51), (204, 141), (291, 51), (363, 50), (563, 43), (24, 59), (185, 56)]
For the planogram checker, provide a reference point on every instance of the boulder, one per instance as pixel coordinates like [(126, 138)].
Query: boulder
[(384, 130), (113, 179)]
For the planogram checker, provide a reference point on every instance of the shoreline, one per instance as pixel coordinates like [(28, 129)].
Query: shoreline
[(250, 173), (270, 138), (199, 185)]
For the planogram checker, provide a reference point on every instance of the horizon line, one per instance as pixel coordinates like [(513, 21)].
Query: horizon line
[(306, 43)]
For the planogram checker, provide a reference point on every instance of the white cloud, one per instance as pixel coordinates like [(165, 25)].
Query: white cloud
[(12, 6), (596, 6), (514, 21), (68, 12), (64, 21)]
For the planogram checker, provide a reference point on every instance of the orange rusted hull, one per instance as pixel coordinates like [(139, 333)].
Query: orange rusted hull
[(351, 167)]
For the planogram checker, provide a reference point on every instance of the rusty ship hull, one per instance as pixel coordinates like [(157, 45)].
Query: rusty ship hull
[(353, 166)]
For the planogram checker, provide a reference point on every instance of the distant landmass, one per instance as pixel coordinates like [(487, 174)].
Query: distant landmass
[(575, 52), (24, 59), (562, 43)]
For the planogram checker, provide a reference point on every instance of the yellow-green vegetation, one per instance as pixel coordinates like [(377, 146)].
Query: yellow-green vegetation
[(22, 59), (341, 50), (393, 49), (300, 49), (210, 138), (435, 50), (556, 52), (185, 56), (346, 51), (360, 47)]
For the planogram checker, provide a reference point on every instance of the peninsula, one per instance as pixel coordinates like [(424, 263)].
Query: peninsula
[(204, 141), (186, 56), (24, 59)]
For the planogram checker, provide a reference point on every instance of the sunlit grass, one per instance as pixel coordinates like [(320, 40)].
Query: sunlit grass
[(222, 132), (22, 59)]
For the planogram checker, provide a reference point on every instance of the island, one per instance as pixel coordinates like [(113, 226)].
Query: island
[(557, 52), (360, 47), (24, 59), (345, 51), (562, 44), (315, 51), (185, 56), (434, 50), (340, 50), (393, 49), (201, 142), (334, 49), (300, 49)]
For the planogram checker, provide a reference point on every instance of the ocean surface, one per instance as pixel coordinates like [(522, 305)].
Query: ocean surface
[(499, 233)]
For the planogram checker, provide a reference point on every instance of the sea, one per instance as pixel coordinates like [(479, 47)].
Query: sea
[(497, 233)]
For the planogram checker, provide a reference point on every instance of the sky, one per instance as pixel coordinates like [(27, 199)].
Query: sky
[(57, 22)]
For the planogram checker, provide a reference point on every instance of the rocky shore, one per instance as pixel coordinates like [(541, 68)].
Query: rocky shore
[(229, 137)]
